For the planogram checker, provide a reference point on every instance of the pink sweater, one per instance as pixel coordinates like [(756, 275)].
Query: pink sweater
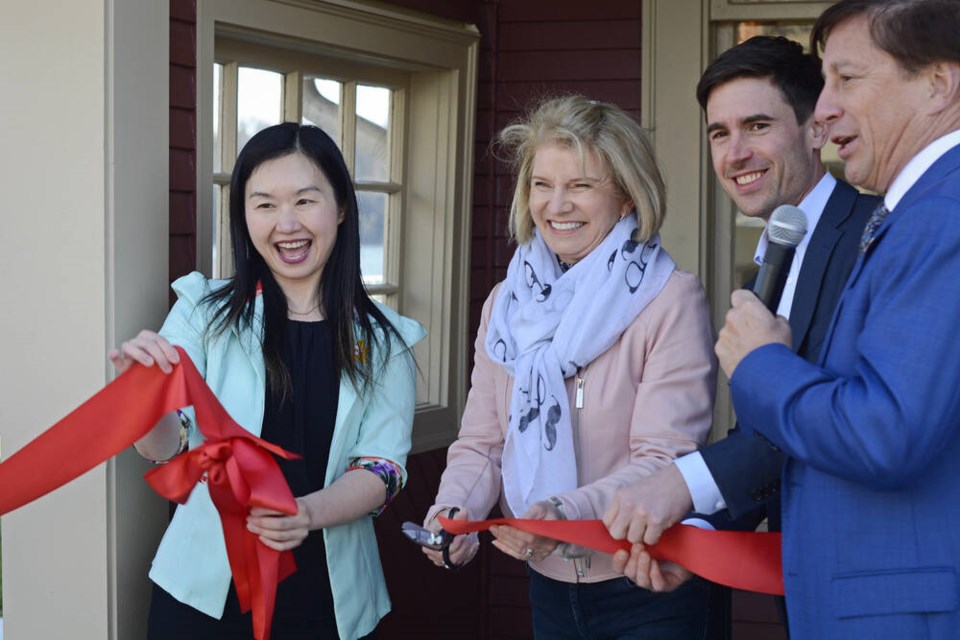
[(646, 400)]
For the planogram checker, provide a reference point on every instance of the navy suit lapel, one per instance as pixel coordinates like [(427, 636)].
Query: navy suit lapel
[(825, 237)]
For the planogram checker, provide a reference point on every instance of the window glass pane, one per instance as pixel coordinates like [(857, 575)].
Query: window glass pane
[(321, 105), (217, 106), (373, 212), (373, 121), (798, 32), (259, 102), (747, 236), (216, 226)]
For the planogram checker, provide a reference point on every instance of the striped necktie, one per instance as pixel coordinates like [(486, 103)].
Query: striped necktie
[(870, 230)]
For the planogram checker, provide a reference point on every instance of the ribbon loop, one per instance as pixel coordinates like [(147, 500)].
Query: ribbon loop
[(213, 453), (240, 467)]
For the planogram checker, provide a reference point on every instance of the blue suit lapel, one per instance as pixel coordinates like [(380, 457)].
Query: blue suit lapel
[(948, 163)]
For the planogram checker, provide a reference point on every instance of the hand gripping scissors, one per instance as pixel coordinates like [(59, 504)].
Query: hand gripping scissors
[(436, 540)]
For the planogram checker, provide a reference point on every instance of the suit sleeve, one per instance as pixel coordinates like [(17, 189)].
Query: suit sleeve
[(746, 469), (886, 401)]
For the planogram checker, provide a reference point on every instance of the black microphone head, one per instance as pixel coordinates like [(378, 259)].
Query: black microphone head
[(787, 225)]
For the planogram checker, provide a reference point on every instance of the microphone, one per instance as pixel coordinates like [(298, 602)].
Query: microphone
[(785, 230)]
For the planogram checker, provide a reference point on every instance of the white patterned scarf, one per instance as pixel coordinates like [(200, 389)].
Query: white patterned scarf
[(545, 325)]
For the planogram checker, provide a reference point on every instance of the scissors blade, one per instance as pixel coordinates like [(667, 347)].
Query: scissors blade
[(424, 537)]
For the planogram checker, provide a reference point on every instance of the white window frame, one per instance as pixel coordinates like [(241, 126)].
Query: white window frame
[(433, 239)]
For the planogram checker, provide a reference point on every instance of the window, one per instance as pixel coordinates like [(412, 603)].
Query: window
[(256, 87), (396, 91)]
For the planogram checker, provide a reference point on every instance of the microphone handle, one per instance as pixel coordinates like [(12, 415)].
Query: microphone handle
[(773, 274)]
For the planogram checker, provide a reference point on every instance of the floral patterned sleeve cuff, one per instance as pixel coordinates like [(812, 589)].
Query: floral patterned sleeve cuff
[(386, 470)]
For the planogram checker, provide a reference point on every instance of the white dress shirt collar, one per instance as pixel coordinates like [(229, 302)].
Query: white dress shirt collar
[(812, 206), (917, 166)]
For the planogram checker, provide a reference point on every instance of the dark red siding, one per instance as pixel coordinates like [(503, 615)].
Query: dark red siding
[(183, 136)]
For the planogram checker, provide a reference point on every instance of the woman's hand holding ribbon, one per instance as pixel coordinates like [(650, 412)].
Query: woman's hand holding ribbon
[(523, 545)]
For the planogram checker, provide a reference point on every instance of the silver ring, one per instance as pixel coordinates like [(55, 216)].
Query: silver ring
[(528, 553)]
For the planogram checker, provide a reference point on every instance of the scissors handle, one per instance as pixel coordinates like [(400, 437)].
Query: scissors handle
[(448, 538)]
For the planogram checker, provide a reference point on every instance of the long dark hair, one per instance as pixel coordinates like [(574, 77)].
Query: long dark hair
[(344, 299)]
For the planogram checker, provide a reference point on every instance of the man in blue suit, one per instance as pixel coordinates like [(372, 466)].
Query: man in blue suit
[(758, 99), (871, 430)]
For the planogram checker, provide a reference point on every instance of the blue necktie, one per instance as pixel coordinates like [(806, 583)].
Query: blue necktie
[(870, 230)]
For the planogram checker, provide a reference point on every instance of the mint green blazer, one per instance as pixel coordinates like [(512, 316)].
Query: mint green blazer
[(191, 561)]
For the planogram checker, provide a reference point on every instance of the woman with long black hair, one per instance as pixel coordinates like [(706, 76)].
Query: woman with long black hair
[(298, 353)]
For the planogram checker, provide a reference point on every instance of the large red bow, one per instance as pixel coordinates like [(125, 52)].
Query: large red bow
[(240, 470), (738, 559)]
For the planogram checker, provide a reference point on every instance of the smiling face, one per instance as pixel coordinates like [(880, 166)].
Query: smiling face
[(761, 156), (292, 216), (873, 108), (574, 203)]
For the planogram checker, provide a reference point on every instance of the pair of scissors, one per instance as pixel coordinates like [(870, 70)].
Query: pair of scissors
[(436, 540)]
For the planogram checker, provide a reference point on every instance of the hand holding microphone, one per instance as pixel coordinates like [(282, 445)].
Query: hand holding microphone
[(751, 322)]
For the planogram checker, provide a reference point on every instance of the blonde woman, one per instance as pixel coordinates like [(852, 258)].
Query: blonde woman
[(594, 367)]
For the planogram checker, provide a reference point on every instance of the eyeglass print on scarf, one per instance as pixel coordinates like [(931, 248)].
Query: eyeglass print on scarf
[(553, 413), (534, 282), (637, 265)]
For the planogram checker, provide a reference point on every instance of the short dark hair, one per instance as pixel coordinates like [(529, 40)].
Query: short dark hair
[(789, 68), (344, 299), (914, 32)]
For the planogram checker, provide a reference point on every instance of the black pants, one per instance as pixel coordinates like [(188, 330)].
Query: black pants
[(617, 610), (170, 619)]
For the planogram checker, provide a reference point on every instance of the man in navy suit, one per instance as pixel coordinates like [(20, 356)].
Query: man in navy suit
[(758, 100), (871, 431)]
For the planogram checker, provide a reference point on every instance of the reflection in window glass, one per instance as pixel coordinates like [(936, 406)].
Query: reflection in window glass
[(798, 32), (259, 102), (373, 215), (373, 121), (217, 107), (321, 105)]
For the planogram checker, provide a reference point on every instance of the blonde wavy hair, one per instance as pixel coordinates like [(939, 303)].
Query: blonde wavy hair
[(586, 126)]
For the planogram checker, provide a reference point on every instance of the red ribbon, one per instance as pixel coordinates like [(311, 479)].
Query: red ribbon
[(241, 472), (738, 559)]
